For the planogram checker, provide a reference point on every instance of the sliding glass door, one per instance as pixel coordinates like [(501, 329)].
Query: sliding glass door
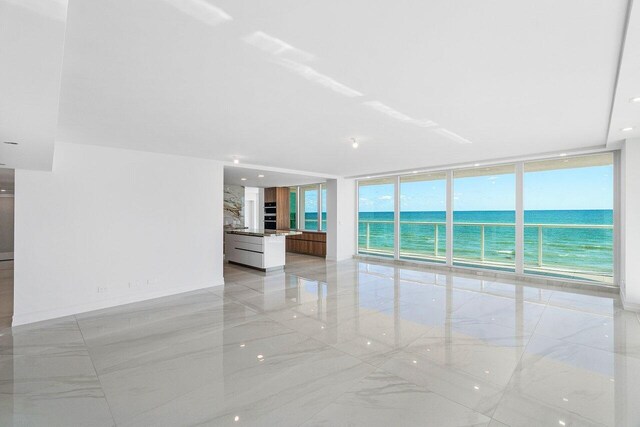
[(566, 207), (568, 216), (484, 217), (323, 207), (293, 208), (309, 207), (376, 217), (423, 228)]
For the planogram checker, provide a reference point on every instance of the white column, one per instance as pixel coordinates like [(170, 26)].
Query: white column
[(396, 216), (449, 231), (630, 224), (341, 219), (519, 218)]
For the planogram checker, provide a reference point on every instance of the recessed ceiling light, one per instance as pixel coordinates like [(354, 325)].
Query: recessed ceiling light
[(626, 129), (476, 164), (3, 190), (10, 142), (635, 100), (563, 154), (236, 161), (260, 176), (368, 177), (243, 179), (414, 172)]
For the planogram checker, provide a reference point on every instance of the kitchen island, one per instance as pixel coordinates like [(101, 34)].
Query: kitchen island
[(260, 249)]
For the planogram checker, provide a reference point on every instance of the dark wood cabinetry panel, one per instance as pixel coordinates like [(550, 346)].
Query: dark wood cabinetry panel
[(277, 199), (282, 203), (270, 195), (308, 243)]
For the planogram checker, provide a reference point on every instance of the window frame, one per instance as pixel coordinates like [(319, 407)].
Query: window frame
[(519, 165), (299, 190)]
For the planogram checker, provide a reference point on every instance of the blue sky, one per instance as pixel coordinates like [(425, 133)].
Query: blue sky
[(311, 200), (581, 188)]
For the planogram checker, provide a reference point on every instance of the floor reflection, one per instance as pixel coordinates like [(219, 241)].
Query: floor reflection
[(354, 342)]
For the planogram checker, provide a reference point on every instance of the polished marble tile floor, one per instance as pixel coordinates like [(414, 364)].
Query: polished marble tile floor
[(333, 344)]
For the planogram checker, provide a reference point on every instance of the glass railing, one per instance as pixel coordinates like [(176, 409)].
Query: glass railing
[(578, 251)]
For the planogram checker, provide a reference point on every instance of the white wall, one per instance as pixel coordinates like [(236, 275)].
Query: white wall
[(630, 224), (6, 227), (111, 226), (341, 219)]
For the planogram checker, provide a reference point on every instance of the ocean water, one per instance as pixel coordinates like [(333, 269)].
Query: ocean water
[(588, 250), (311, 221)]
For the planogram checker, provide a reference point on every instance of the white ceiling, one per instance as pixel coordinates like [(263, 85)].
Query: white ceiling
[(286, 83), (31, 45), (233, 176), (625, 113)]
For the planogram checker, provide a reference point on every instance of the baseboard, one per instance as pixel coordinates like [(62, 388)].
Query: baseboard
[(630, 306), (336, 259), (39, 316)]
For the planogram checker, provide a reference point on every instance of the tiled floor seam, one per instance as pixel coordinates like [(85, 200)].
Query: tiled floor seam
[(104, 393)]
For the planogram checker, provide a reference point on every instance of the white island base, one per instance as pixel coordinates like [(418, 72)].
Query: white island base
[(265, 251)]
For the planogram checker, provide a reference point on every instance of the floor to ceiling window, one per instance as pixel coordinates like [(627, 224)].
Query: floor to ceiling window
[(293, 208), (309, 207), (423, 206), (568, 215), (484, 217), (376, 218), (323, 206), (565, 206)]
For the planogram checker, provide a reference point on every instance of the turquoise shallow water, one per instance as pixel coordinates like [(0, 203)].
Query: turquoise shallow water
[(579, 249)]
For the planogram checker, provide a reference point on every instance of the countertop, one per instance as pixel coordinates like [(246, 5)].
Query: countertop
[(264, 233)]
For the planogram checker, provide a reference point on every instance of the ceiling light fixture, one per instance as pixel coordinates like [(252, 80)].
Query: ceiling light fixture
[(10, 143), (476, 164), (243, 179), (260, 176), (563, 155), (627, 129), (635, 100), (3, 190), (354, 143), (236, 161), (414, 172)]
